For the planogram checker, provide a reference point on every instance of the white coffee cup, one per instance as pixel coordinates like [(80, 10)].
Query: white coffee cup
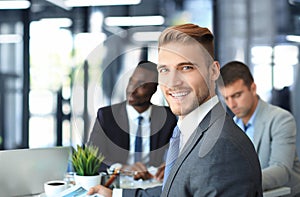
[(53, 188)]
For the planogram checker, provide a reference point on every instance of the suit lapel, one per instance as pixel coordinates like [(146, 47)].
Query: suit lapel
[(121, 118), (259, 124), (156, 124), (197, 136)]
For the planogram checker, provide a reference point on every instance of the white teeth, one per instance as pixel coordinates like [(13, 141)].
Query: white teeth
[(179, 94)]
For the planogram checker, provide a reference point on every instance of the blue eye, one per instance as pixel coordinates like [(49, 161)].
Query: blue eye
[(187, 67), (162, 70)]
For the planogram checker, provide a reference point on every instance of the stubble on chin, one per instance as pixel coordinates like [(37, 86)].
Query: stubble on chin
[(184, 108)]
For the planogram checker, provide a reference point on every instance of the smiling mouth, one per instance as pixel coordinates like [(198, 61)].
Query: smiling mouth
[(178, 95)]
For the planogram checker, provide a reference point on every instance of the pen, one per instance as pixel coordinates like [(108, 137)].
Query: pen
[(112, 178)]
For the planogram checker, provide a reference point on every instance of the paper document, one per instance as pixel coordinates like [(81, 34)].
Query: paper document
[(77, 191)]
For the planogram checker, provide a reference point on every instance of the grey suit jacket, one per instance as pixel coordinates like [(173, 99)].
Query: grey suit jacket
[(218, 160), (275, 142)]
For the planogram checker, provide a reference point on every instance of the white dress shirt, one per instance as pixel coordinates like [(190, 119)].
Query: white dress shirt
[(133, 125), (190, 122), (250, 128)]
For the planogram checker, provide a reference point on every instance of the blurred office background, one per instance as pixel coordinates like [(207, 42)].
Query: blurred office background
[(60, 60)]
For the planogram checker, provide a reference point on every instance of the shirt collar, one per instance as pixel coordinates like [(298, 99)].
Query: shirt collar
[(191, 121), (251, 120), (133, 114)]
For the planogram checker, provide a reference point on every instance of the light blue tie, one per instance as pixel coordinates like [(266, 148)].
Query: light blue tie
[(138, 150), (172, 152)]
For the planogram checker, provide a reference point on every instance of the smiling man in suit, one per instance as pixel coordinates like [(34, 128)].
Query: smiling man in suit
[(115, 128), (209, 155)]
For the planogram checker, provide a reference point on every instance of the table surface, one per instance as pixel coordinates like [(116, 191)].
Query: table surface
[(277, 192), (128, 182)]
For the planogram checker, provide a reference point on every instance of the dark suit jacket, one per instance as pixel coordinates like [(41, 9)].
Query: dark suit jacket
[(111, 133), (218, 160)]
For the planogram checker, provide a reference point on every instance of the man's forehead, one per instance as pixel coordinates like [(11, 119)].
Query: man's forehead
[(144, 75), (192, 48), (232, 89)]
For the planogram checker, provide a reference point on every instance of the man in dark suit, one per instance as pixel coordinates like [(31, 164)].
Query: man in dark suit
[(214, 157), (115, 128)]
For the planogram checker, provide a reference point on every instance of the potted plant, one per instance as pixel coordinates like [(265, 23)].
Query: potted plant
[(86, 161)]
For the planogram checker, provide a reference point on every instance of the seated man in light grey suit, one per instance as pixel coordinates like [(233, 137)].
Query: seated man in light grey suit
[(213, 156), (271, 129)]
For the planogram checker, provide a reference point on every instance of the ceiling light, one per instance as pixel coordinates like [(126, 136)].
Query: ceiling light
[(134, 21), (22, 4), (150, 36), (293, 38), (59, 22), (83, 3), (10, 38)]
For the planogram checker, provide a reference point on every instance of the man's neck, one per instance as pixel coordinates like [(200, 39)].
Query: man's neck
[(251, 111), (142, 108), (212, 99)]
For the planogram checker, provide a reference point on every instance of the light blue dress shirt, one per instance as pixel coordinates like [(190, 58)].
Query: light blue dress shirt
[(248, 128)]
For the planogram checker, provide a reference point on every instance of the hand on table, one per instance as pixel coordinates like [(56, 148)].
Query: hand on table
[(159, 175), (139, 170), (99, 189)]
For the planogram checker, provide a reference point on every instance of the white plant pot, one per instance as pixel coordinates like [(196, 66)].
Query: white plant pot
[(87, 181)]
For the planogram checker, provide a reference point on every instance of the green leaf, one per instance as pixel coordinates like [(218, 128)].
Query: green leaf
[(87, 160)]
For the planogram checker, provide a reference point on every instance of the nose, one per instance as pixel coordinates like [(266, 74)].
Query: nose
[(131, 87), (231, 103), (172, 79)]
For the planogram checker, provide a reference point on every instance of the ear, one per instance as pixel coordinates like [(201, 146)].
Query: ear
[(215, 70), (253, 88)]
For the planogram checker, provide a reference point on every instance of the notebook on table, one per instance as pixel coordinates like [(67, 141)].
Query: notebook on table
[(23, 172)]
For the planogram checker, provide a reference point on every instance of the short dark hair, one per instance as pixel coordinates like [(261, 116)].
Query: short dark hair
[(149, 66), (233, 71)]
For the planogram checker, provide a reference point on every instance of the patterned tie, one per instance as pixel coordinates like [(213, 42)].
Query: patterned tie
[(172, 152), (138, 149)]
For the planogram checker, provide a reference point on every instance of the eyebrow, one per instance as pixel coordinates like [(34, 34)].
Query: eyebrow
[(180, 64), (186, 63), (160, 66), (232, 95), (136, 79)]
